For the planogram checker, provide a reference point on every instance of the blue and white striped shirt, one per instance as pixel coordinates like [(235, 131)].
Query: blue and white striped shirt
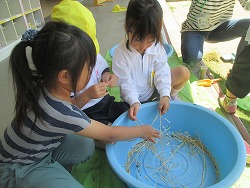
[(35, 141)]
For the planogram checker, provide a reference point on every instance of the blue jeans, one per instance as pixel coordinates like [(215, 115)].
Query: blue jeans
[(192, 41), (49, 172)]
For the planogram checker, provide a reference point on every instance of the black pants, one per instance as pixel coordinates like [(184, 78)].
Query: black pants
[(107, 110), (238, 80)]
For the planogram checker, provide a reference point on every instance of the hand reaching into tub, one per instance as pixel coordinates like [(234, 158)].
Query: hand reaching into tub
[(163, 108), (134, 108), (163, 105), (112, 134), (149, 133)]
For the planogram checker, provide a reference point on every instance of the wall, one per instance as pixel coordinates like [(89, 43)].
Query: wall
[(6, 95)]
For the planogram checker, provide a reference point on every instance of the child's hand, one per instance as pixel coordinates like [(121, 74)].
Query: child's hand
[(149, 133), (96, 91), (164, 105), (134, 108), (110, 79)]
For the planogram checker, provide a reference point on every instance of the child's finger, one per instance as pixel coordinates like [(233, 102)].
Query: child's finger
[(151, 139)]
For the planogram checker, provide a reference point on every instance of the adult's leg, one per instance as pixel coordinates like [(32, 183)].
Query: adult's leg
[(192, 46), (238, 79), (74, 149), (237, 82), (230, 30)]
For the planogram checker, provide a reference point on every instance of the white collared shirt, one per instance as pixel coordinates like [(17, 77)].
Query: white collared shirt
[(134, 72)]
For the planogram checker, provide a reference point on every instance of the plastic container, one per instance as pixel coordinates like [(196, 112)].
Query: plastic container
[(218, 135), (112, 49), (169, 49)]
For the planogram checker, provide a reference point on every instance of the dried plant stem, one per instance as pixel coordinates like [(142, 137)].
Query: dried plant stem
[(175, 140), (170, 156)]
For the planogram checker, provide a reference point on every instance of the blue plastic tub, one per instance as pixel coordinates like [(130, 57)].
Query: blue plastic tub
[(218, 135), (112, 50), (169, 49)]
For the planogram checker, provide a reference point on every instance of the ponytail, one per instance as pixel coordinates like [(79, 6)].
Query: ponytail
[(25, 82)]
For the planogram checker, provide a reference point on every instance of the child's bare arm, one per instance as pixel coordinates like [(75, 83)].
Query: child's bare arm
[(106, 133)]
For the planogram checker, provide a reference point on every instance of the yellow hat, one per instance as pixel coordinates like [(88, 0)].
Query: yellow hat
[(74, 13)]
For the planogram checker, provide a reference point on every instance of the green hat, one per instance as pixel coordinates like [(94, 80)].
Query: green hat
[(74, 13)]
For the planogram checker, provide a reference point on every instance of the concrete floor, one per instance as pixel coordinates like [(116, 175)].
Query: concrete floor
[(114, 24), (109, 25), (110, 29), (47, 6)]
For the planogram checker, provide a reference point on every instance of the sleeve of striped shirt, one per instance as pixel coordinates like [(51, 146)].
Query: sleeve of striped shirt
[(245, 4)]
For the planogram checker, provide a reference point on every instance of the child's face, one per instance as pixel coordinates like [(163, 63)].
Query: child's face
[(84, 78), (141, 45)]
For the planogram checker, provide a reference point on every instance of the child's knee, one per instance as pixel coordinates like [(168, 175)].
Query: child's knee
[(74, 149), (82, 152), (184, 73), (86, 150)]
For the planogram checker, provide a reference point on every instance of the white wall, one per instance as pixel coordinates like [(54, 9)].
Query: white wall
[(6, 95)]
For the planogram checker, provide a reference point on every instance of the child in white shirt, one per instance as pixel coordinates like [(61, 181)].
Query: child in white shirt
[(94, 100), (141, 63)]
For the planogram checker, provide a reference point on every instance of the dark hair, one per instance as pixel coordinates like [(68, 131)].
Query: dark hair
[(57, 46), (143, 18)]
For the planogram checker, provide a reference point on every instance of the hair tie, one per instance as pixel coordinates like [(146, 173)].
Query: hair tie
[(29, 35)]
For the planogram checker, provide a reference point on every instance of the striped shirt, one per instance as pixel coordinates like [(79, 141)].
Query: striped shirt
[(206, 15), (34, 142)]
